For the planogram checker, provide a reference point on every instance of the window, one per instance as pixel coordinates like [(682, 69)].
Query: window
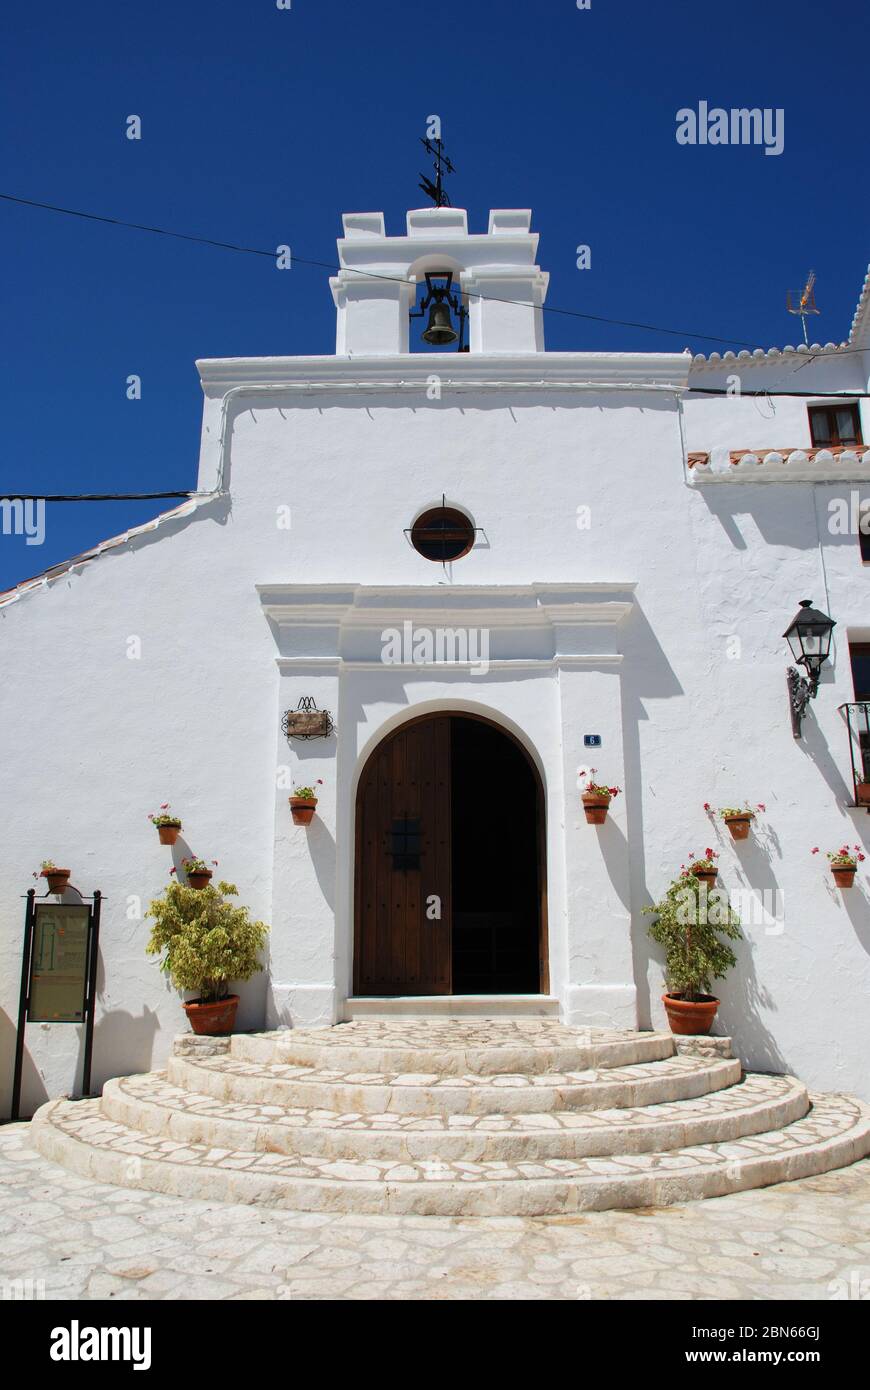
[(442, 534), (832, 425)]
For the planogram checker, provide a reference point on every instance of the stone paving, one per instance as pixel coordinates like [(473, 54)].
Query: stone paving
[(806, 1240)]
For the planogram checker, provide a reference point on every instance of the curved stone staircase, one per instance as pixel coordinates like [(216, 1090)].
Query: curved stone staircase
[(453, 1117)]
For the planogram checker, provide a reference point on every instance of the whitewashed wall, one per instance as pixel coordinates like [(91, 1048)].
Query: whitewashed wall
[(93, 740)]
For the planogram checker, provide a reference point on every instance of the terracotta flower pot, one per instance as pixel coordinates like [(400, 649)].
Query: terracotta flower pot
[(215, 1019), (707, 876), (199, 878), (845, 877), (690, 1016), (595, 805), (739, 826), (302, 809), (58, 879), (862, 794), (168, 833)]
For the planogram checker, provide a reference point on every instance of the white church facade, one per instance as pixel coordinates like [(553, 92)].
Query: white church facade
[(490, 568)]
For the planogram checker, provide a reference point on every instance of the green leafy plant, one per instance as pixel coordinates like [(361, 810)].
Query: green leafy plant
[(194, 865), (205, 941), (705, 863), (744, 810), (593, 788), (308, 793), (48, 866), (164, 817), (844, 857), (689, 924)]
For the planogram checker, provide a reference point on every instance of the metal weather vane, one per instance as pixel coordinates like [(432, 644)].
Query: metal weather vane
[(442, 165)]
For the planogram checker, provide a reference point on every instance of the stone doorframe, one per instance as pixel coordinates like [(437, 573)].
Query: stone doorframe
[(550, 675)]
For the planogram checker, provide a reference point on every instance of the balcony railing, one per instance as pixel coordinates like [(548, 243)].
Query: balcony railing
[(857, 717)]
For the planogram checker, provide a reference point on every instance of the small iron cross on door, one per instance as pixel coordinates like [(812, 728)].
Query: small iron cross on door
[(405, 843)]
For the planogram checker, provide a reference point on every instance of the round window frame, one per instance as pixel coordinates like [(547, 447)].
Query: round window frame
[(462, 521)]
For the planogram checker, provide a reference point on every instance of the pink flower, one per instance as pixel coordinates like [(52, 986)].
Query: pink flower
[(761, 806), (706, 805), (172, 871), (814, 851)]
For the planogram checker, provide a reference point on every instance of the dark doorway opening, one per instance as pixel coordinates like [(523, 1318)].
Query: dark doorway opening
[(450, 876), (496, 891)]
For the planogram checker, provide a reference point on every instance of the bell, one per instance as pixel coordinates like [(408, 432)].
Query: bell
[(440, 330)]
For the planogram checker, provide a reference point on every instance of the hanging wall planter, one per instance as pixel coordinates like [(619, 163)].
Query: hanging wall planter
[(739, 826), (197, 871), (844, 863), (738, 818), (844, 877), (57, 879), (862, 793), (303, 803), (595, 796), (167, 825), (705, 870)]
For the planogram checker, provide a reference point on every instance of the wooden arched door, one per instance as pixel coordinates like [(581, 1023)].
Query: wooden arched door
[(450, 873)]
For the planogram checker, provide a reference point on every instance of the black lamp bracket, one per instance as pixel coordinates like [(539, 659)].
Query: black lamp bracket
[(801, 689)]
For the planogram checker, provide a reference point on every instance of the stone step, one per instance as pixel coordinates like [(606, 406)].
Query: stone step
[(153, 1106), (454, 1047), (835, 1132), (453, 1006), (230, 1078)]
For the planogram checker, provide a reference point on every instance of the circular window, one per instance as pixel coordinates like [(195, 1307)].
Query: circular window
[(442, 534)]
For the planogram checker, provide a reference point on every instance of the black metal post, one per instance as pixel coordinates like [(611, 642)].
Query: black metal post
[(91, 1001), (22, 1004)]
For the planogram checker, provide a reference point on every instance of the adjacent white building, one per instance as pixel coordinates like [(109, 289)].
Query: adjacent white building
[(629, 551)]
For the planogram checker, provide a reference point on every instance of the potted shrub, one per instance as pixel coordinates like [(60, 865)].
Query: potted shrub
[(303, 803), (704, 868), (57, 879), (205, 943), (595, 796), (738, 818), (197, 871), (689, 925), (844, 862), (167, 825), (862, 790)]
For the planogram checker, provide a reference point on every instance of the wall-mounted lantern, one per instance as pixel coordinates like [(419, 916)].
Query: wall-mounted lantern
[(809, 636)]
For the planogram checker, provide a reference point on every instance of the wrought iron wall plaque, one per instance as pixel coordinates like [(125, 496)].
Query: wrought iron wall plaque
[(307, 721)]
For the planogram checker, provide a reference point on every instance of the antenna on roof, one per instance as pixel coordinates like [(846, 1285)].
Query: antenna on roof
[(806, 302), (443, 166)]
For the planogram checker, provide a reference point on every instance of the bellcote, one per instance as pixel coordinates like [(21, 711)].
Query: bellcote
[(502, 287)]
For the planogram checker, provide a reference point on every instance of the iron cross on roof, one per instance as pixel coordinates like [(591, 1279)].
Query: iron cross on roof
[(442, 166)]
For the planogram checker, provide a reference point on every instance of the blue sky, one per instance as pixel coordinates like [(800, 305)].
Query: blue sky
[(262, 125)]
